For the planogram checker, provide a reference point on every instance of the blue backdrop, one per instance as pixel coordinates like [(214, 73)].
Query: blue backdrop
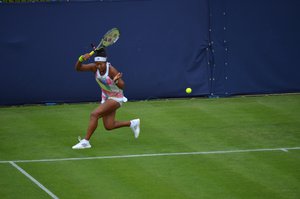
[(256, 46), (215, 47)]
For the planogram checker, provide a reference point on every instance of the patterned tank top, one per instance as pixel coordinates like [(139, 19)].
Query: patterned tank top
[(108, 86)]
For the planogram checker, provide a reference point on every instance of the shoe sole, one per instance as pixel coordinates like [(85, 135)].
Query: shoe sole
[(83, 147)]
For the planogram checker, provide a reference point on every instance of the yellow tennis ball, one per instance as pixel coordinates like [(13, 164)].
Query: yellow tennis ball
[(188, 90)]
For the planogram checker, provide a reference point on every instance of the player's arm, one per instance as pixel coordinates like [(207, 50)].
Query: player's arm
[(117, 77), (79, 66)]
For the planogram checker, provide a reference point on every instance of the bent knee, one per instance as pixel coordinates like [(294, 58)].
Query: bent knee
[(109, 127)]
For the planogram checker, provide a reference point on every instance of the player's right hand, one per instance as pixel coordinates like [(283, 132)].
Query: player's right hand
[(86, 56)]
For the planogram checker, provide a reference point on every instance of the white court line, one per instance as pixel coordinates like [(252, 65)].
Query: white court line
[(285, 149), (34, 180)]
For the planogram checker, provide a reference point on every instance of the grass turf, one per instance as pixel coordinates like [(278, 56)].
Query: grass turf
[(183, 125)]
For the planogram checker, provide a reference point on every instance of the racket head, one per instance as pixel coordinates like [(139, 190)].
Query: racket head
[(109, 38)]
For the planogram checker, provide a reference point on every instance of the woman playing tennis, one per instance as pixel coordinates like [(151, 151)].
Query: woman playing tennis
[(112, 85)]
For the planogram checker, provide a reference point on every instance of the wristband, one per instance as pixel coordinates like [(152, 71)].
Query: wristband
[(81, 59), (116, 81)]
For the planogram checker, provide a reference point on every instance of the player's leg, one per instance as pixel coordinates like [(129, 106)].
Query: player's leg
[(104, 109), (107, 111), (110, 123)]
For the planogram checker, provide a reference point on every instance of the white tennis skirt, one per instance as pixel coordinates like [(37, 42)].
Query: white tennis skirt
[(117, 99)]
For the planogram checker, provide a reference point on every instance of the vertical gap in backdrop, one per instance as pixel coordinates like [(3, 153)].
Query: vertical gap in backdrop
[(218, 48), (226, 49), (209, 49)]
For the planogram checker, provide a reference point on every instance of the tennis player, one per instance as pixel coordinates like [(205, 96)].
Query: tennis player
[(112, 85)]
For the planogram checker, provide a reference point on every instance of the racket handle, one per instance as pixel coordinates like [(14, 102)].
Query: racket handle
[(91, 53)]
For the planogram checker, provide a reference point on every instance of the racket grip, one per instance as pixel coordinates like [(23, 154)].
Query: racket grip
[(81, 59), (91, 53)]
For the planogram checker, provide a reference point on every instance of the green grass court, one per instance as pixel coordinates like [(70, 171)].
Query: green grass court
[(249, 147)]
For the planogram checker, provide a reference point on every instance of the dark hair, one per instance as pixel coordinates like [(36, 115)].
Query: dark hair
[(101, 53)]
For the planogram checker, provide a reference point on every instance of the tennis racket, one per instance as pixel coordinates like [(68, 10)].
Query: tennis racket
[(108, 39)]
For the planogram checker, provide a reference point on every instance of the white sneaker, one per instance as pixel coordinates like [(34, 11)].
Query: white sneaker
[(135, 126), (83, 144)]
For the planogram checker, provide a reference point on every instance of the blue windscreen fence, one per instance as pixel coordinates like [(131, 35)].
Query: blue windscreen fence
[(218, 48), (255, 46)]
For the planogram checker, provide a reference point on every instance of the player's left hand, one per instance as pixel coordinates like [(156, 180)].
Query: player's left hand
[(118, 76)]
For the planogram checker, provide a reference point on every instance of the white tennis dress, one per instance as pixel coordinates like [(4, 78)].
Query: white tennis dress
[(109, 88)]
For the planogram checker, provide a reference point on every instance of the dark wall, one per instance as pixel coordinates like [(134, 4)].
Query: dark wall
[(256, 46), (215, 47), (161, 50)]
